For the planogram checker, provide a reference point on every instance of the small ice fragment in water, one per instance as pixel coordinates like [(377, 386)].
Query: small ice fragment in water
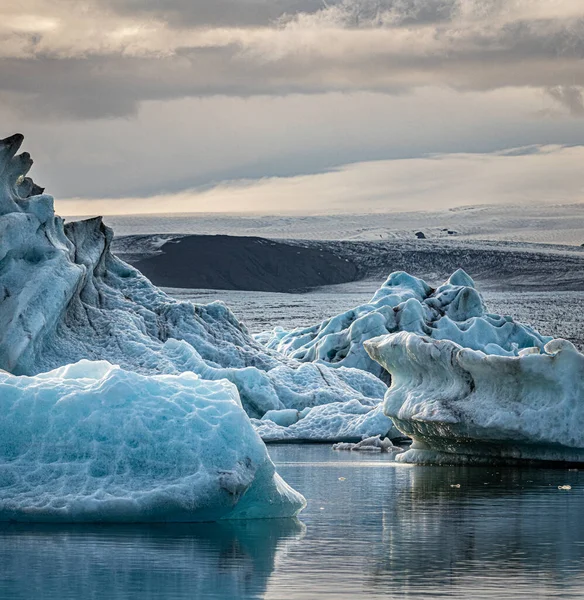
[(370, 444)]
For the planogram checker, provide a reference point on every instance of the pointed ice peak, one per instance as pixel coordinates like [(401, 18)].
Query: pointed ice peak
[(14, 184), (461, 278)]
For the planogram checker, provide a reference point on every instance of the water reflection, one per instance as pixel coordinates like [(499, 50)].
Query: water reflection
[(505, 529), (380, 530), (374, 529), (215, 561)]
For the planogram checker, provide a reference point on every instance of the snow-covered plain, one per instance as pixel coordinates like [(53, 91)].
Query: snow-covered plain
[(539, 223), (91, 442)]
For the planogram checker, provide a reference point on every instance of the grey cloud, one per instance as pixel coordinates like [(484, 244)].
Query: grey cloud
[(241, 13), (170, 146), (569, 96), (300, 55), (246, 13)]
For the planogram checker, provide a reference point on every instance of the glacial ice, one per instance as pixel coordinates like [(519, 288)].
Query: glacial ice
[(465, 406), (335, 422), (64, 297), (92, 442), (454, 311)]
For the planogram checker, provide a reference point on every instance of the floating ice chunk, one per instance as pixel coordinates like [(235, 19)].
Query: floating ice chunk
[(370, 444), (91, 442), (453, 311), (338, 421), (461, 405)]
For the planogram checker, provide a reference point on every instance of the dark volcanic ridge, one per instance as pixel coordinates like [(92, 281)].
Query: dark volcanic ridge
[(260, 264), (243, 263)]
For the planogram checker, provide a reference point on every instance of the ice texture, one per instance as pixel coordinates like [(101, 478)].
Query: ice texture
[(466, 406), (64, 297), (92, 442), (335, 422), (453, 311)]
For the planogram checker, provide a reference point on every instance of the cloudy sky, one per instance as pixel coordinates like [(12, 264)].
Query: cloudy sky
[(296, 105)]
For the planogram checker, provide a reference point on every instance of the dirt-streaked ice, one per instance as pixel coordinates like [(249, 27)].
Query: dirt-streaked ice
[(463, 405)]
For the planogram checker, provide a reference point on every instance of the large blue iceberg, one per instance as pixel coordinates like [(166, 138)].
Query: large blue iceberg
[(91, 442)]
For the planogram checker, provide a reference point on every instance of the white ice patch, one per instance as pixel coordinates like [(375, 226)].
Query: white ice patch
[(371, 444), (462, 405), (339, 421), (453, 311), (91, 442)]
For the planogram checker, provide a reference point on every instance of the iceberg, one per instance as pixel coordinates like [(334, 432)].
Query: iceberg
[(453, 311), (92, 442), (466, 406), (65, 297)]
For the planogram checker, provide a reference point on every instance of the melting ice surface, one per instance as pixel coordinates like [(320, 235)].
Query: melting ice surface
[(372, 529), (91, 442), (453, 311), (462, 405)]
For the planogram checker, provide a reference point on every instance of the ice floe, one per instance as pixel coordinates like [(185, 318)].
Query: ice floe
[(463, 405), (371, 444)]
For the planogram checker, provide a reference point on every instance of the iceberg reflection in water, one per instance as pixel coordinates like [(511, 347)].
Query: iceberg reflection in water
[(372, 529), (199, 561)]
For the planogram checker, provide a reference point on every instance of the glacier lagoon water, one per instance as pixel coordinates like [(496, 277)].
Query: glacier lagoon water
[(372, 529)]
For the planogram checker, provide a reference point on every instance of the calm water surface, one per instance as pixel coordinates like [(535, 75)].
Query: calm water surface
[(372, 529)]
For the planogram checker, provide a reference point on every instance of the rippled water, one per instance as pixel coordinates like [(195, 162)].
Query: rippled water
[(372, 529)]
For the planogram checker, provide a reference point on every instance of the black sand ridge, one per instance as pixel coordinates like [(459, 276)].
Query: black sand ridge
[(244, 263), (259, 264)]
